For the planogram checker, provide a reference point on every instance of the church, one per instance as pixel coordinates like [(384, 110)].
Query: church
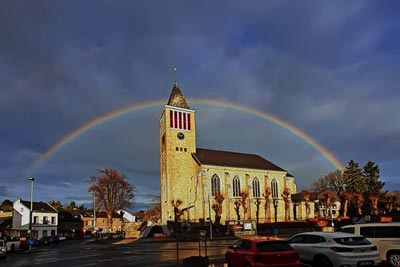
[(199, 184)]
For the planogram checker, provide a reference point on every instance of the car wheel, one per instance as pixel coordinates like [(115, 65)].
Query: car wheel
[(322, 262), (394, 259)]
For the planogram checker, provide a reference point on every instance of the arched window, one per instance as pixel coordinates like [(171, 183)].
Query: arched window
[(215, 185), (236, 187), (256, 187), (274, 188)]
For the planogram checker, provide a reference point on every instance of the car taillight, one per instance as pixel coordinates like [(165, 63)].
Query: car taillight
[(340, 249), (257, 258)]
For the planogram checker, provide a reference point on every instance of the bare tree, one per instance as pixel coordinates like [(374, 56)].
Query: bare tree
[(306, 196), (347, 196), (257, 203), (374, 203), (330, 198), (286, 195), (112, 191), (177, 212), (217, 207), (333, 181), (267, 193), (359, 202), (244, 195), (6, 205), (237, 209), (153, 212), (391, 199)]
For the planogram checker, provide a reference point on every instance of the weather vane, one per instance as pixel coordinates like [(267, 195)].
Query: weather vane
[(174, 70)]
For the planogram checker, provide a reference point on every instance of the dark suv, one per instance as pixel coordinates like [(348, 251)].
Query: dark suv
[(48, 240)]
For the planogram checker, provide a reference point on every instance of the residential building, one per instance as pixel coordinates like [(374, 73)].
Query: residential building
[(70, 223), (44, 218), (102, 222)]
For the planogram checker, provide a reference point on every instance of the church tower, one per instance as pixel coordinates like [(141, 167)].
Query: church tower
[(177, 143)]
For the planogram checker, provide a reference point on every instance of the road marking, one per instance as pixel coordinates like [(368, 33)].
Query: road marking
[(64, 259), (122, 258), (88, 264)]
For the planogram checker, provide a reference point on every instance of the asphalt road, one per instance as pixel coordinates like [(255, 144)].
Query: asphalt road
[(82, 253), (148, 252)]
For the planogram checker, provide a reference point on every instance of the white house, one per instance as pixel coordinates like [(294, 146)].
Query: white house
[(44, 218)]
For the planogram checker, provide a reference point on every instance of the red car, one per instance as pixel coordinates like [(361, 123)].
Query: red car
[(262, 252)]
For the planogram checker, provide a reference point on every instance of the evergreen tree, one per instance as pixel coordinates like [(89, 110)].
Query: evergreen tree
[(354, 178), (371, 173)]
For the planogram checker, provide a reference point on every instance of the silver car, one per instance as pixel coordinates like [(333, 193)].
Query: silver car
[(335, 249)]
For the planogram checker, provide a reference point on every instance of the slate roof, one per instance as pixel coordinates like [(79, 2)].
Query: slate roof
[(39, 206), (233, 159), (176, 98)]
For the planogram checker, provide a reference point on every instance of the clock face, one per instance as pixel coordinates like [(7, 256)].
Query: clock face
[(180, 136)]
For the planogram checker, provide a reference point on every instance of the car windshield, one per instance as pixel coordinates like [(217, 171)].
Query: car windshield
[(270, 246), (349, 230), (1, 243), (352, 241)]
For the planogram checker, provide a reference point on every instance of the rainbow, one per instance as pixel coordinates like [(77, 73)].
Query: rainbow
[(220, 103)]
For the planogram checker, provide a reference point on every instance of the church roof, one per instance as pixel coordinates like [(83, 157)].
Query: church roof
[(176, 98), (233, 159)]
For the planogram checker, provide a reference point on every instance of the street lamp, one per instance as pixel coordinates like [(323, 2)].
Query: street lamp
[(30, 215)]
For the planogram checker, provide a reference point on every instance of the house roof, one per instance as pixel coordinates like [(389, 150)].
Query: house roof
[(103, 214), (68, 215), (233, 159), (176, 98), (39, 206), (298, 197)]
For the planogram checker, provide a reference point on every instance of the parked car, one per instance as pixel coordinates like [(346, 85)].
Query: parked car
[(334, 249), (386, 236), (47, 240), (3, 249), (261, 252)]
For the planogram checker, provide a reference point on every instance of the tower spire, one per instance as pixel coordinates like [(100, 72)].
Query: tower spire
[(176, 98)]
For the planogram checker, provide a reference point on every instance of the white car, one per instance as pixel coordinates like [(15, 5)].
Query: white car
[(335, 249), (386, 236)]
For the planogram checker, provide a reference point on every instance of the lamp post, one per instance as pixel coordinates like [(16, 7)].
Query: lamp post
[(30, 215), (94, 212)]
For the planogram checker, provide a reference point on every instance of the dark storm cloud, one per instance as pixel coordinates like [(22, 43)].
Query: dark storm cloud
[(3, 191), (329, 69)]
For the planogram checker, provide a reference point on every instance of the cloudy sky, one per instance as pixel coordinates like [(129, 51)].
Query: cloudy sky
[(330, 69)]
